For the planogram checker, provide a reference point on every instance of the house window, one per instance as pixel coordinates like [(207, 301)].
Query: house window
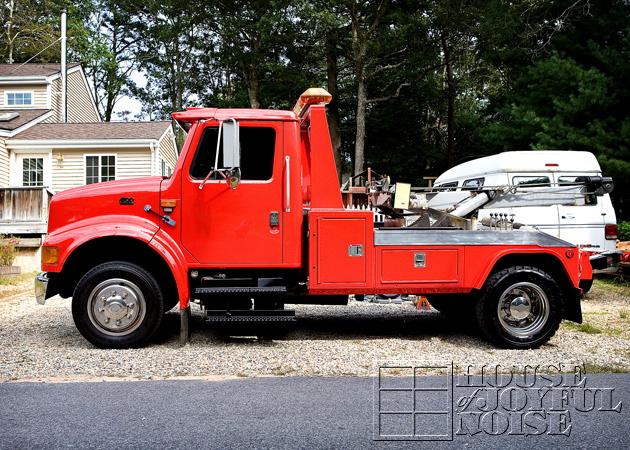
[(99, 168), (19, 99), (33, 172), (163, 167)]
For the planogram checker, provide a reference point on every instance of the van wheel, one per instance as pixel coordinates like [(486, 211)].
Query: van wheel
[(118, 305), (520, 307)]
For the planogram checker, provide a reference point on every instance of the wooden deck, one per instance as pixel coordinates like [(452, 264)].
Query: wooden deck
[(24, 210)]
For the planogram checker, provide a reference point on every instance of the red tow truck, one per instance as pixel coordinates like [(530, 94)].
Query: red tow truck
[(252, 218)]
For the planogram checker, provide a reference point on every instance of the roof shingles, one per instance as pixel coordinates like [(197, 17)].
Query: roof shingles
[(31, 70), (100, 130), (24, 116)]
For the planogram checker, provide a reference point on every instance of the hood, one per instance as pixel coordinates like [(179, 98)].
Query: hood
[(113, 198)]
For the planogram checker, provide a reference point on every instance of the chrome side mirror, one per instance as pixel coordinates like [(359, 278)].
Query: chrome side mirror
[(231, 144)]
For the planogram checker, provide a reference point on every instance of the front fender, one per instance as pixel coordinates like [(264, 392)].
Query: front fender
[(71, 236), (172, 254)]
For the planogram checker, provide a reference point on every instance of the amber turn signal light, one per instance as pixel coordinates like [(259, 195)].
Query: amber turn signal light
[(50, 255)]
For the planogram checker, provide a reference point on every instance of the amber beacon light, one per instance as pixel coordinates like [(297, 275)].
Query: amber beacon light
[(311, 96)]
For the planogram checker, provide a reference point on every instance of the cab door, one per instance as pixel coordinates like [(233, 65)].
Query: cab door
[(241, 226)]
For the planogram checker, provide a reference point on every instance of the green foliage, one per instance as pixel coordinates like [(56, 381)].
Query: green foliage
[(8, 252), (442, 80), (623, 231)]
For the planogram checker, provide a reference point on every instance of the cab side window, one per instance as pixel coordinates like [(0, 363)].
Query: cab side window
[(258, 146)]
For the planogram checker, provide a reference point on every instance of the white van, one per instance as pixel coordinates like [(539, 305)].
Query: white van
[(591, 224)]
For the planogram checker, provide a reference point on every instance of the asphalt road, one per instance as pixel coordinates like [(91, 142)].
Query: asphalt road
[(298, 412)]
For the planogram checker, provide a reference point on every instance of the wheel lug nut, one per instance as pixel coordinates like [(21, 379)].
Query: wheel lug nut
[(124, 295), (131, 305), (101, 309), (118, 322), (106, 319), (128, 316)]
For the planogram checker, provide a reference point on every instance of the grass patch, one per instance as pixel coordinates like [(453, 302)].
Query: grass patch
[(17, 279), (623, 314), (582, 327), (617, 285), (596, 368)]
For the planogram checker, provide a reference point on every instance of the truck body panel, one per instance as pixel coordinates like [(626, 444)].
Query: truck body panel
[(243, 240)]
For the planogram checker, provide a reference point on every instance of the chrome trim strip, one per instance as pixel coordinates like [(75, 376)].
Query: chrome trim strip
[(288, 205)]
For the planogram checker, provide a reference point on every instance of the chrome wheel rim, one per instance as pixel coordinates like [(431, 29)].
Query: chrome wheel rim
[(116, 307), (523, 309)]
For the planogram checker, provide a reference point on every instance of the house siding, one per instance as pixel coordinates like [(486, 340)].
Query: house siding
[(55, 102), (168, 152), (40, 97), (130, 163), (80, 104), (4, 163)]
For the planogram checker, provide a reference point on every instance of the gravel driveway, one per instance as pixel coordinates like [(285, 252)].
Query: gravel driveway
[(41, 342)]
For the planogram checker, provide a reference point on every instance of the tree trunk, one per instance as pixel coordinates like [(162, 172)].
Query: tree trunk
[(251, 81), (359, 150), (333, 107), (450, 99), (359, 46)]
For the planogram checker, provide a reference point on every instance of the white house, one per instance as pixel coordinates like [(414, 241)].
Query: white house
[(40, 156)]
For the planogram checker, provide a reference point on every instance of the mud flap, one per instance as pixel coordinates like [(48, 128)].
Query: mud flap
[(572, 306), (184, 331)]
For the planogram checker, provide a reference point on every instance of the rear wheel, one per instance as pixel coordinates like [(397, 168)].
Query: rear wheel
[(118, 305), (520, 307)]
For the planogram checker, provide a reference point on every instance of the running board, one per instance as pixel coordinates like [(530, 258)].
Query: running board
[(251, 316), (245, 290)]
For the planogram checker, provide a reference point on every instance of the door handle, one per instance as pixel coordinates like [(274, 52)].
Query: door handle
[(569, 216), (287, 159)]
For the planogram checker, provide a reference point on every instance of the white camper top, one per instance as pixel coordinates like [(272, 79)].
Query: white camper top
[(523, 161)]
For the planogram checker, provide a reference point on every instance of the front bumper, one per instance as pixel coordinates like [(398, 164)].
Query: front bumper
[(41, 287)]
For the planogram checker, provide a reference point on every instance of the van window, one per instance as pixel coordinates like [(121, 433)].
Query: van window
[(474, 182), (446, 185), (591, 199), (257, 152), (535, 180)]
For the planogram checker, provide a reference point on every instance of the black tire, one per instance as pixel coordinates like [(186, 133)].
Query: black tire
[(520, 307), (130, 314), (453, 305), (586, 285)]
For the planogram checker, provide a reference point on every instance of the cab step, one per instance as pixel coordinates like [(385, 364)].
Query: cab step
[(251, 316), (245, 290)]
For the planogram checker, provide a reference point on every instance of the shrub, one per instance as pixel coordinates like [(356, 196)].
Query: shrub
[(7, 250), (623, 231)]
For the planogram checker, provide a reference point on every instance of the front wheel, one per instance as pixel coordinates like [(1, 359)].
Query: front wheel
[(520, 307), (117, 305)]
